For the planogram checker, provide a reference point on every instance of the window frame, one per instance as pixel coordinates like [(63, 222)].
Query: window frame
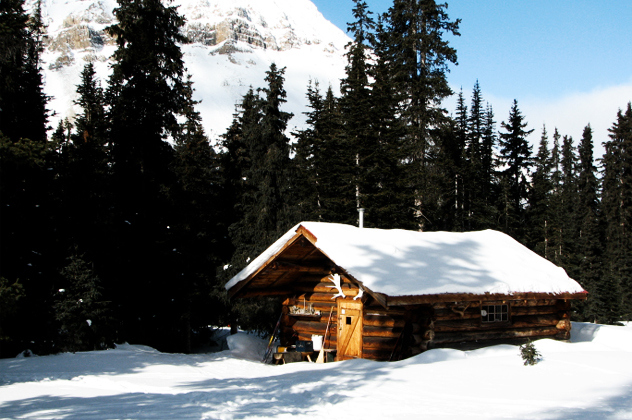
[(500, 312)]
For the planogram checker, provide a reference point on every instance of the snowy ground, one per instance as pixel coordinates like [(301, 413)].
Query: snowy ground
[(589, 378)]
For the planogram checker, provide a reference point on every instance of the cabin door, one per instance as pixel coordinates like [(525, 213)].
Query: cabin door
[(349, 329)]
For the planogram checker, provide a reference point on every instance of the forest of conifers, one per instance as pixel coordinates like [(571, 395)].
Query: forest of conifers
[(125, 223)]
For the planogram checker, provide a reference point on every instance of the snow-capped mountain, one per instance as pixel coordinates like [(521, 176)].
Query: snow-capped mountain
[(233, 44)]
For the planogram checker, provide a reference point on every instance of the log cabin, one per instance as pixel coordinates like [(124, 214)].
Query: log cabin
[(392, 294)]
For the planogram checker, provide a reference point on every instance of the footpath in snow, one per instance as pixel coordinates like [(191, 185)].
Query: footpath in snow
[(588, 378)]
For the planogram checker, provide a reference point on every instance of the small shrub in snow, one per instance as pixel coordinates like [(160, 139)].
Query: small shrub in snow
[(530, 354)]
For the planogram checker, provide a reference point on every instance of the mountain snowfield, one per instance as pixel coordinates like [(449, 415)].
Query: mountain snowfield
[(587, 378), (233, 44)]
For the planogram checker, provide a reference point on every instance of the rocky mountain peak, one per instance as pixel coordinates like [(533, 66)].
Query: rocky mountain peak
[(292, 33)]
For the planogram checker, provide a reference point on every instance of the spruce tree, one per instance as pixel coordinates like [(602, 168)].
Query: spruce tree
[(567, 218), (539, 209), (146, 96), (389, 205), (616, 286), (83, 315), (325, 178), (455, 162), (23, 113), (516, 155), (263, 170), (590, 243), (478, 180), (489, 178), (355, 105), (555, 202), (199, 232), (418, 55), (258, 161)]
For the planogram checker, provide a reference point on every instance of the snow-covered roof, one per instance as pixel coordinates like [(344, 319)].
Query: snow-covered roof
[(408, 263)]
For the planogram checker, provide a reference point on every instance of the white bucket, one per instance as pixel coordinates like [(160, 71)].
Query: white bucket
[(317, 341)]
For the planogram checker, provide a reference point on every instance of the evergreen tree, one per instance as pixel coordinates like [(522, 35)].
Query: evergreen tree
[(10, 294), (84, 317), (567, 218), (91, 123), (616, 286), (146, 96), (23, 112), (455, 163), (419, 55), (325, 178), (197, 236), (81, 181), (478, 180), (590, 244), (516, 155), (555, 202), (306, 157), (355, 105), (539, 210), (263, 194), (489, 181), (391, 192), (258, 161)]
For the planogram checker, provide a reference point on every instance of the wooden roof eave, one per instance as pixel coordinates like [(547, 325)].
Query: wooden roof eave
[(234, 291), (470, 297)]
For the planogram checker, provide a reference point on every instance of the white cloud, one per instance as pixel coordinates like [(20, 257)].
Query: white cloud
[(569, 114)]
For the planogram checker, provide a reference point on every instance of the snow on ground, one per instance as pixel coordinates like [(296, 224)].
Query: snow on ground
[(589, 378)]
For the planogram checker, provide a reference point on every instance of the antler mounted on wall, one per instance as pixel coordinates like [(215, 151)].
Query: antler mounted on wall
[(457, 310), (335, 278)]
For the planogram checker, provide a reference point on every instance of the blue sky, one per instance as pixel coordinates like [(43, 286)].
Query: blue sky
[(568, 63)]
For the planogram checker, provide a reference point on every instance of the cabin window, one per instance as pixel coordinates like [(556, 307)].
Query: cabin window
[(495, 313)]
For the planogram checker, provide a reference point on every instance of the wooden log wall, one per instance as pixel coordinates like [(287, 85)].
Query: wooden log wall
[(459, 323), (398, 333), (316, 292)]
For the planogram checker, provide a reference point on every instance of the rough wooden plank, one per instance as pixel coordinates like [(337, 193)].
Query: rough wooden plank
[(377, 354), (383, 321), (450, 337), (381, 332), (468, 297), (384, 343), (534, 310)]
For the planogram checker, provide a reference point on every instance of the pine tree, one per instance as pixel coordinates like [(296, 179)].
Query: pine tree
[(516, 155), (616, 287)]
